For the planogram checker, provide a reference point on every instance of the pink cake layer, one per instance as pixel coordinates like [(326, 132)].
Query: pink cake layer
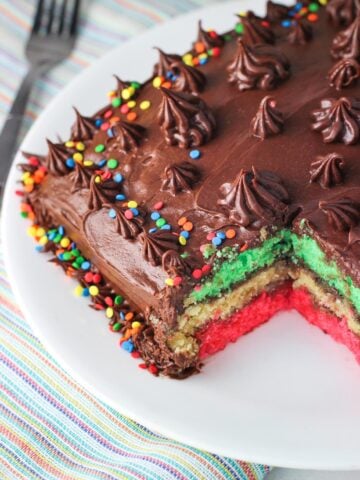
[(217, 334), (336, 327)]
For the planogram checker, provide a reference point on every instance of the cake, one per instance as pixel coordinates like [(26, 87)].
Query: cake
[(193, 207)]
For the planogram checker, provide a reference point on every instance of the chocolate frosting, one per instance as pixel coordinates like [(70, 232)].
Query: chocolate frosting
[(80, 177), (327, 170), (127, 228), (342, 12), (126, 136), (83, 128), (185, 119), (354, 236), (346, 44), (165, 60), (259, 67), (187, 78), (268, 120), (254, 30), (42, 213), (344, 73), (155, 351), (56, 158), (102, 193), (275, 11), (174, 264), (28, 166), (171, 301), (342, 213), (180, 177), (254, 198), (120, 85), (338, 120), (208, 39), (300, 33), (154, 245)]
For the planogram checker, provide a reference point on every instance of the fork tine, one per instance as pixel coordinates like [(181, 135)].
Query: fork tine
[(51, 16), (38, 16), (62, 17), (74, 18)]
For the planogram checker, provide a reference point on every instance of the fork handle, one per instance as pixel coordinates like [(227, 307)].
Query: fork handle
[(11, 128)]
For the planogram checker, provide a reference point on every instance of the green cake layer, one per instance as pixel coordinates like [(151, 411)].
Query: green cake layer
[(308, 251), (233, 267)]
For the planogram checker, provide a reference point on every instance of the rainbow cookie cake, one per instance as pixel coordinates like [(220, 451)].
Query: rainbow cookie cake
[(224, 189)]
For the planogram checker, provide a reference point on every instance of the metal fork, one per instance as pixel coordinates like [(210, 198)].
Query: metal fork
[(51, 40)]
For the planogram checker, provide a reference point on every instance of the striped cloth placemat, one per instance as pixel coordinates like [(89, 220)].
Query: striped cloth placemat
[(50, 427)]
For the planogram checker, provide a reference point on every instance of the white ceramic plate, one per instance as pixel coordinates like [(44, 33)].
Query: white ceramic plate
[(285, 395)]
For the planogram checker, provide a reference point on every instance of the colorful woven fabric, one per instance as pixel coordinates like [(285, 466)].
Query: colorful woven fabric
[(50, 427)]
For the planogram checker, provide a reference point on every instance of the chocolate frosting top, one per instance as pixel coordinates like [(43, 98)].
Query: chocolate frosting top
[(209, 39), (128, 228), (342, 213), (276, 11), (268, 119), (185, 119), (346, 44), (289, 156), (154, 245), (81, 176), (344, 73), (56, 158), (126, 136), (120, 85), (188, 79), (354, 236), (300, 33), (338, 120), (83, 128), (342, 12), (327, 170), (43, 216), (174, 264), (180, 177), (97, 199), (102, 192), (255, 32), (262, 67), (165, 60), (255, 197)]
